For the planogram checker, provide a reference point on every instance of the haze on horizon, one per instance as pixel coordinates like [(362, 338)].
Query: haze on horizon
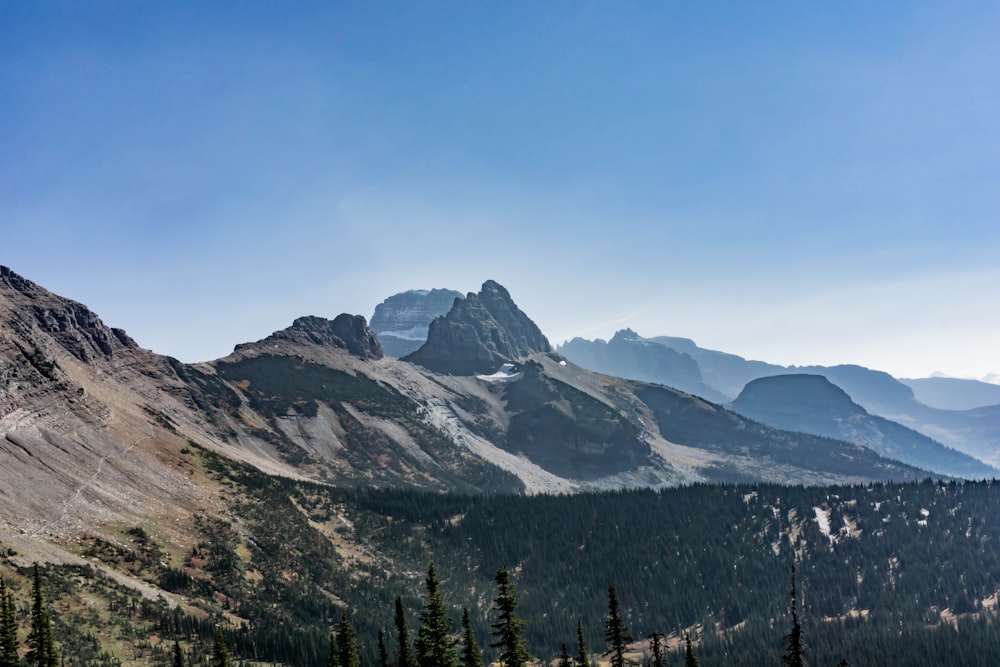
[(798, 184)]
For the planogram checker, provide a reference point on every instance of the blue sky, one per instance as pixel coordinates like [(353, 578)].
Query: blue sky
[(795, 182)]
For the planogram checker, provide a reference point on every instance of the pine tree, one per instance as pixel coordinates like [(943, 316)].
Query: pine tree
[(508, 629), (178, 655), (794, 656), (220, 653), (471, 655), (656, 649), (435, 647), (689, 658), (383, 653), (8, 628), (581, 659), (404, 657), (347, 641), (41, 645), (564, 659), (615, 632), (334, 659)]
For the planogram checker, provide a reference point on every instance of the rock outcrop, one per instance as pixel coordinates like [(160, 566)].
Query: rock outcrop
[(73, 326), (348, 332), (401, 321), (480, 332)]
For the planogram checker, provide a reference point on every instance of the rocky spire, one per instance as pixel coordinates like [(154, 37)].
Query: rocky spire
[(479, 333)]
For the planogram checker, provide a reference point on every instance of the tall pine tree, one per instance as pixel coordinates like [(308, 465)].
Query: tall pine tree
[(333, 660), (383, 653), (581, 659), (471, 655), (615, 632), (347, 642), (564, 659), (794, 654), (509, 629), (689, 658), (220, 652), (8, 628), (41, 645), (656, 649), (178, 655), (435, 647), (403, 657)]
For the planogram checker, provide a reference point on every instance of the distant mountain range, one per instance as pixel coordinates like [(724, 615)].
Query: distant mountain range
[(974, 431)]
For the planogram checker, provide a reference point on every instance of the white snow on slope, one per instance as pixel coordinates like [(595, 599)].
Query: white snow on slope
[(823, 519)]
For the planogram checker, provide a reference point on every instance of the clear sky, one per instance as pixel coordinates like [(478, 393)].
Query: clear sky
[(790, 181)]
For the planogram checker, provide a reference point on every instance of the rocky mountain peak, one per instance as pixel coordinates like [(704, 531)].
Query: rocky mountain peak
[(35, 312), (479, 333), (803, 391), (402, 320), (347, 332)]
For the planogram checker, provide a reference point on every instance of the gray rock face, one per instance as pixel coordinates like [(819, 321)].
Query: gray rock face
[(481, 332), (71, 325), (348, 332), (401, 321)]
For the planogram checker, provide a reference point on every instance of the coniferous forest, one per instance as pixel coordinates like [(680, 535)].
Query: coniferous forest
[(884, 574)]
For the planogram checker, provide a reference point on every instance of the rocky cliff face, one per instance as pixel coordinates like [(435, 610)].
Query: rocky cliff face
[(347, 332), (401, 321), (480, 332)]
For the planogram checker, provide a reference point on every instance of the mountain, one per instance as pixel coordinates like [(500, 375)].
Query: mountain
[(812, 404), (91, 416), (479, 333), (727, 373), (954, 393), (975, 432), (306, 473), (630, 356), (401, 321)]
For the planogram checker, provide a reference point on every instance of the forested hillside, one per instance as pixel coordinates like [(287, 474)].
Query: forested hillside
[(883, 571)]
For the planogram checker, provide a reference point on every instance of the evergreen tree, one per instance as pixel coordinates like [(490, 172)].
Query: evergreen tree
[(656, 649), (383, 654), (220, 653), (471, 655), (8, 628), (615, 632), (508, 629), (794, 656), (581, 659), (178, 655), (689, 658), (334, 659), (404, 657), (41, 645), (564, 659), (435, 647), (347, 641)]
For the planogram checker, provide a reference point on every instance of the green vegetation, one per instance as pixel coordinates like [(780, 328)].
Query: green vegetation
[(566, 431), (886, 573)]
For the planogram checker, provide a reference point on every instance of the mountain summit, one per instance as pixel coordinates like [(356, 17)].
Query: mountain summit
[(479, 333)]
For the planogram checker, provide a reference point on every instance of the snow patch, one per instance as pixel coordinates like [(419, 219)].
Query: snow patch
[(823, 519)]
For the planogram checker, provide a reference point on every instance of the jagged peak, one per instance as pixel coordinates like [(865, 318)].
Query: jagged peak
[(347, 332), (479, 333)]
